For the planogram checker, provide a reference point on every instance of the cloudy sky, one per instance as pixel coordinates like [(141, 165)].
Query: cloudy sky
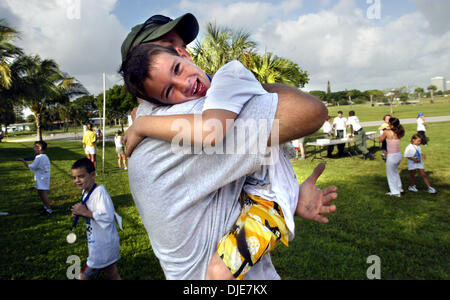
[(363, 44)]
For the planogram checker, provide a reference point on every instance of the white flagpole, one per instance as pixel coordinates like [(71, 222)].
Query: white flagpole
[(104, 119)]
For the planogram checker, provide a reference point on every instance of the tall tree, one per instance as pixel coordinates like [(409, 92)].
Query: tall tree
[(7, 51), (432, 89), (270, 68), (40, 84), (118, 103), (220, 46), (419, 91)]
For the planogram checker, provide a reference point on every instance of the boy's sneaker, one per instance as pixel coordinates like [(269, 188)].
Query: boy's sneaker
[(46, 212), (395, 195), (413, 189), (431, 190)]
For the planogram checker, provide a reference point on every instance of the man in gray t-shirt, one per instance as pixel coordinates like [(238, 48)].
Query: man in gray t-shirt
[(187, 202)]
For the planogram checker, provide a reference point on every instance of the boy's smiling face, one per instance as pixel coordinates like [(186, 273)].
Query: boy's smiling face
[(175, 79), (83, 179)]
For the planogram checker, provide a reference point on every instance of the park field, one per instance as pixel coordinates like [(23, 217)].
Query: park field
[(365, 112), (410, 235)]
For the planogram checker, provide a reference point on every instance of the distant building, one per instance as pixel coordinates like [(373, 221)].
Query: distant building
[(448, 85), (439, 82), (17, 127)]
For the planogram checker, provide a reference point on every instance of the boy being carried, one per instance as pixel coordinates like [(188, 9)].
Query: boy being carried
[(270, 196)]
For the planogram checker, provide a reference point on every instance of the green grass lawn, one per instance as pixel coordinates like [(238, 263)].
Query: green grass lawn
[(365, 113), (410, 234)]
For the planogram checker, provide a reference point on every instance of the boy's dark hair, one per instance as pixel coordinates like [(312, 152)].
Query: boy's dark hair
[(136, 68), (42, 144), (351, 113), (85, 163), (328, 118), (416, 136), (340, 112)]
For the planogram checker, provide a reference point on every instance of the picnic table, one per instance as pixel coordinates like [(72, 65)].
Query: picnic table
[(321, 143)]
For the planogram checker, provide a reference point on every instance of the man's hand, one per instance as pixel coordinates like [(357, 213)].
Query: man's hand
[(313, 202), (132, 138)]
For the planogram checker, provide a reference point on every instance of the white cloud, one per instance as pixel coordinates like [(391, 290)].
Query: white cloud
[(84, 40), (342, 45)]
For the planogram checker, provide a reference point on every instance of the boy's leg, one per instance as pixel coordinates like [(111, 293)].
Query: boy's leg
[(412, 174), (43, 194), (218, 270), (111, 272), (425, 177), (258, 228), (89, 273)]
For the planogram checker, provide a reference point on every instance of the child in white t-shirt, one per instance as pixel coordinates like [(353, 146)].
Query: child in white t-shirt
[(421, 128), (101, 231), (271, 194), (41, 169), (415, 157)]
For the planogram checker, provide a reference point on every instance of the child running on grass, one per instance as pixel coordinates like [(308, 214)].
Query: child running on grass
[(415, 157), (269, 198), (98, 209), (41, 169)]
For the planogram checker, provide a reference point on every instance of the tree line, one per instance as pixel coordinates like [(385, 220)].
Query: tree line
[(54, 96)]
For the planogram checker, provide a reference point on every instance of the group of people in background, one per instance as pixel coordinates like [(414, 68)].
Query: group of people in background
[(91, 137), (392, 133), (338, 128)]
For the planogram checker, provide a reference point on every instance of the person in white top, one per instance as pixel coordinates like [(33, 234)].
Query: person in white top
[(98, 209), (421, 128), (340, 127), (415, 157), (120, 150), (41, 169), (360, 135), (328, 134), (271, 194)]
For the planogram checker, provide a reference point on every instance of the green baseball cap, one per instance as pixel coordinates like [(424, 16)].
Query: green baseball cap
[(157, 26)]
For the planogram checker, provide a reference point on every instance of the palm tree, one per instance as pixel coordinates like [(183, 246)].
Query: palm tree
[(40, 84), (432, 89), (270, 68), (220, 46), (419, 91), (7, 51)]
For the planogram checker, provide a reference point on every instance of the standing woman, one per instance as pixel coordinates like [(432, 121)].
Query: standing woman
[(393, 135), (118, 140)]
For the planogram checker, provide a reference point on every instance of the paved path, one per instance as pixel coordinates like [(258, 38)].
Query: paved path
[(62, 137), (410, 121), (77, 137)]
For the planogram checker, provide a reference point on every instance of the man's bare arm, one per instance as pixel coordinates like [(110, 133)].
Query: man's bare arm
[(299, 114)]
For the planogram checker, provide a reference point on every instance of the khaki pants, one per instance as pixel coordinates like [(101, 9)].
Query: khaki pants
[(360, 140)]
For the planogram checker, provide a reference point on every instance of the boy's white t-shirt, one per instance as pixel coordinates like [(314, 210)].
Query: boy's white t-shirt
[(102, 235), (420, 125), (414, 151), (231, 88), (354, 121), (326, 127), (41, 170)]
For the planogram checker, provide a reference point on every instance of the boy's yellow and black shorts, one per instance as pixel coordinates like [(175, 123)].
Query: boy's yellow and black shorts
[(260, 225)]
